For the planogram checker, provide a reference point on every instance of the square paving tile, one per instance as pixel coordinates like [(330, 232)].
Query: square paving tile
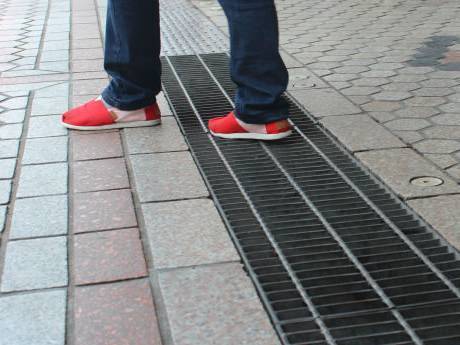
[(12, 131), (50, 106), (96, 146), (34, 318), (13, 116), (167, 176), (118, 313), (89, 87), (108, 256), (58, 90), (36, 217), (164, 138), (103, 210), (7, 168), (3, 210), (5, 190), (45, 150), (38, 180), (46, 126), (99, 175), (218, 306), (195, 242), (9, 148), (35, 264)]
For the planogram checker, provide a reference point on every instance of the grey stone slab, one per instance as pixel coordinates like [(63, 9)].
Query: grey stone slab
[(38, 180), (164, 138), (15, 103), (302, 78), (397, 167), (36, 217), (34, 318), (167, 176), (7, 167), (5, 191), (55, 66), (50, 106), (45, 126), (324, 102), (13, 116), (13, 131), (59, 90), (45, 150), (35, 264), (218, 306), (2, 218), (54, 55), (442, 213), (195, 242), (360, 133), (163, 105)]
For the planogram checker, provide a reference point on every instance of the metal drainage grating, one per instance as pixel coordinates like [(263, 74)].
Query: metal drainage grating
[(335, 257)]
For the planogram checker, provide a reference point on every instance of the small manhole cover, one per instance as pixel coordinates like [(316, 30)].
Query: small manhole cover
[(427, 181)]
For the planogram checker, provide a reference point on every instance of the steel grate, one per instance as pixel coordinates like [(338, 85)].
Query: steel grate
[(336, 258)]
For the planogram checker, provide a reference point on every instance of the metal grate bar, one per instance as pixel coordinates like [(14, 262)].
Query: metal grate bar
[(330, 251)]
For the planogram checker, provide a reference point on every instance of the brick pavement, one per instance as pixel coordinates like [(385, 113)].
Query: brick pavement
[(100, 232), (384, 78)]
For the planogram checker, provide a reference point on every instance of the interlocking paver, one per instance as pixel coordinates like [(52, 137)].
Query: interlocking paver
[(417, 112), (7, 167), (159, 178), (35, 264), (45, 150), (407, 124), (118, 313), (35, 318), (195, 242), (96, 146), (206, 314), (100, 175), (164, 138), (108, 256), (39, 180), (37, 217), (46, 126)]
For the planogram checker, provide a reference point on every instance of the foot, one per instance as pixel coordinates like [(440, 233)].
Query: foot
[(97, 115), (232, 128)]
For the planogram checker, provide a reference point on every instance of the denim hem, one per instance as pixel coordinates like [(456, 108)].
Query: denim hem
[(261, 119), (127, 107)]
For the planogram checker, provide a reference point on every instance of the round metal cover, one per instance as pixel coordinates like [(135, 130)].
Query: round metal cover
[(427, 181)]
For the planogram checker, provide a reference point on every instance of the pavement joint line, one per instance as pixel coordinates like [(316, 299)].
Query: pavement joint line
[(210, 264), (175, 200)]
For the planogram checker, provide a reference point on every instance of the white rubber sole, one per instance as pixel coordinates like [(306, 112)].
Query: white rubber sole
[(253, 136), (114, 126)]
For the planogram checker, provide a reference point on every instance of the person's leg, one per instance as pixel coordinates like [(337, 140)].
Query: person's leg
[(256, 65), (132, 53), (132, 59)]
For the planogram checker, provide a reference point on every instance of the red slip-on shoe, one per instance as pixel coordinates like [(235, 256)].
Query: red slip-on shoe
[(230, 127), (94, 115)]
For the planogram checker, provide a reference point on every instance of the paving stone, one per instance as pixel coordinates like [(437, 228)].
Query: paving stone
[(38, 180), (425, 101), (442, 160), (96, 146), (378, 74), (163, 105), (87, 65), (13, 131), (439, 83), (2, 218), (407, 124), (442, 213), (206, 312), (99, 175), (87, 54), (417, 112), (360, 132), (118, 313), (408, 78), (36, 318), (164, 138), (103, 210), (382, 116), (325, 102), (370, 82), (360, 90), (381, 106), (35, 264), (443, 132), (7, 167), (397, 167), (13, 116), (54, 55), (454, 171), (5, 190), (108, 256), (447, 119), (50, 106), (437, 146), (159, 178), (401, 86), (351, 69), (195, 242), (46, 126), (451, 108), (37, 217), (15, 103), (391, 96), (341, 77), (45, 150), (89, 87), (58, 90), (302, 78), (433, 91)]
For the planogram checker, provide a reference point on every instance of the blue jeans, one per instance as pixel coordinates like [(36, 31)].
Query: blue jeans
[(132, 60)]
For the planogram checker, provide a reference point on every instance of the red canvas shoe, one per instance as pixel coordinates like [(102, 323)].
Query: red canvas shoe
[(95, 115), (231, 127)]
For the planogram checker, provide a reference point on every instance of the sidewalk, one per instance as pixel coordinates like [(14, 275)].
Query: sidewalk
[(103, 240)]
